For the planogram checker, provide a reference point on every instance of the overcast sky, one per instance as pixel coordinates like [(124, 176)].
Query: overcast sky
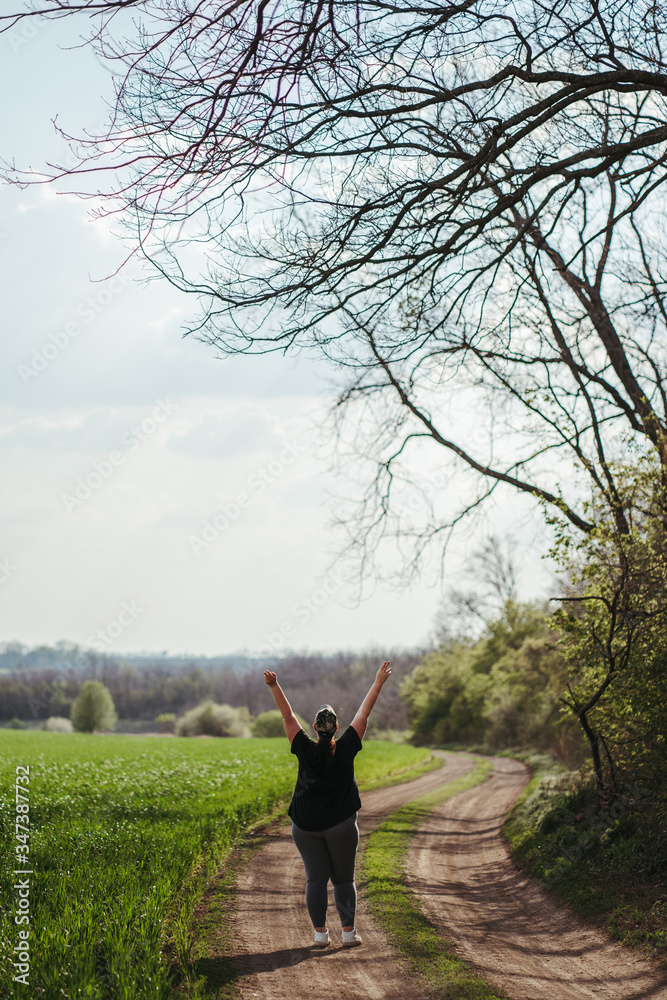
[(156, 497)]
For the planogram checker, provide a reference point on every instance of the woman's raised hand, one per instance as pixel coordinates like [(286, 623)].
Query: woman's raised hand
[(383, 673), (270, 677)]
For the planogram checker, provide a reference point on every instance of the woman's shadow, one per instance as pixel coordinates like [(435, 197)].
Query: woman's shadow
[(221, 971)]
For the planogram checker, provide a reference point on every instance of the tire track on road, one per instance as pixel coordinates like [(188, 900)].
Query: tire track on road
[(518, 937)]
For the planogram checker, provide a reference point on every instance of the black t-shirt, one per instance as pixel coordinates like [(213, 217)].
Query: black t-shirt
[(326, 790)]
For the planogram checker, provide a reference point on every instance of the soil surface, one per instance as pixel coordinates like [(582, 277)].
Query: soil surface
[(520, 940), (531, 946), (279, 961)]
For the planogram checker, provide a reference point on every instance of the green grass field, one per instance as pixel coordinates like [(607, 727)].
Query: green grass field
[(125, 832)]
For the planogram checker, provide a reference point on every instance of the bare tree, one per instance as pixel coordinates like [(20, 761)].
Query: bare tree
[(459, 204), (463, 612)]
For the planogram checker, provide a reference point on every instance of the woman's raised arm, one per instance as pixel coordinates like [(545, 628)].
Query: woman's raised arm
[(290, 721), (360, 721)]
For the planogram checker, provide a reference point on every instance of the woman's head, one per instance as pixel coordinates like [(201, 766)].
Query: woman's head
[(326, 722), (325, 725)]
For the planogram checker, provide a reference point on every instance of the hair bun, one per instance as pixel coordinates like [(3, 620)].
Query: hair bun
[(326, 721)]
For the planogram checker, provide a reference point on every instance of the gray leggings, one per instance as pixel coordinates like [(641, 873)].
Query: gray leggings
[(330, 854)]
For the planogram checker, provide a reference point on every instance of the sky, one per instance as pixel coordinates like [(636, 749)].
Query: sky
[(155, 496)]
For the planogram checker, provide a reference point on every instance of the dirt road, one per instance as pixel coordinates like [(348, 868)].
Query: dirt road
[(506, 927), (516, 935), (280, 962)]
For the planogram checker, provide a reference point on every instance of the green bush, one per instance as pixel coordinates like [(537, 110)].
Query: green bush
[(165, 722), (56, 724), (17, 724), (93, 708), (209, 719), (269, 724)]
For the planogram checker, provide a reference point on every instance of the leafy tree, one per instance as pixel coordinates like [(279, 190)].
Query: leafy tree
[(445, 698), (522, 701), (502, 689), (506, 632), (615, 629), (93, 708)]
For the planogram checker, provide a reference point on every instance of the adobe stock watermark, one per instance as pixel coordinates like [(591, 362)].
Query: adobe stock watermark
[(7, 570), (28, 29), (22, 866), (102, 470), (100, 640), (105, 637), (302, 611), (85, 313), (257, 483)]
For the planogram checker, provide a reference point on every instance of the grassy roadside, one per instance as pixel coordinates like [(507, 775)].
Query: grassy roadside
[(399, 777), (208, 972), (205, 970), (430, 957), (610, 865)]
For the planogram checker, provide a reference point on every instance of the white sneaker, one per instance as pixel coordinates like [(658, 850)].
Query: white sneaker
[(350, 938), (322, 938)]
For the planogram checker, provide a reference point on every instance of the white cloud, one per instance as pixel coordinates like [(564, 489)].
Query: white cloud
[(222, 433)]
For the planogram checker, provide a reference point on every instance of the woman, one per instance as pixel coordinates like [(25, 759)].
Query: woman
[(325, 804)]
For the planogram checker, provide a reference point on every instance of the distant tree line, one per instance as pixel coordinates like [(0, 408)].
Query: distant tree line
[(583, 678), (17, 655), (158, 687)]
